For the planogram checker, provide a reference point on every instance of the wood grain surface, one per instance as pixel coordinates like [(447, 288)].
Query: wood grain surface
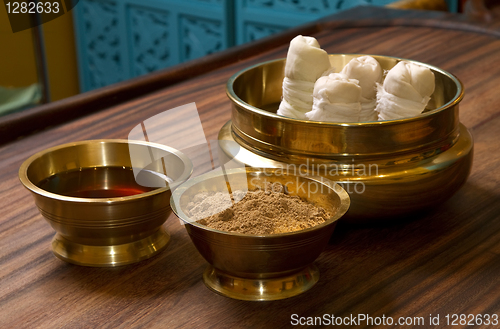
[(446, 261)]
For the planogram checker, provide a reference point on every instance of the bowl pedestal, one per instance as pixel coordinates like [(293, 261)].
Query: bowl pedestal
[(110, 255), (260, 289)]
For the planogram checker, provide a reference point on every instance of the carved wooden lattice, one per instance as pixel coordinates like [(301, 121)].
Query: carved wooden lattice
[(200, 37), (103, 59), (254, 31), (121, 39), (151, 41)]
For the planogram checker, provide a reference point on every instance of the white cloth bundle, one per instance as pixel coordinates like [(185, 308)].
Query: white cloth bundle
[(368, 72), (406, 91), (305, 63), (336, 98)]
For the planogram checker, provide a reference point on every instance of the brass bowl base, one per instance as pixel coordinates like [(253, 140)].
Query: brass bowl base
[(260, 289), (113, 255)]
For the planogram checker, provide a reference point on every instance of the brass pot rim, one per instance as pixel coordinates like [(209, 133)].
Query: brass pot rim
[(23, 172), (454, 101), (176, 195)]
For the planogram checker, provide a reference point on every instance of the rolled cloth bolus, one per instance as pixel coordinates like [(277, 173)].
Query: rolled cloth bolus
[(405, 92), (305, 63), (336, 98), (368, 72)]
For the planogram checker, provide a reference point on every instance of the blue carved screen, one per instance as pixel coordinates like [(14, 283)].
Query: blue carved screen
[(122, 39), (118, 40)]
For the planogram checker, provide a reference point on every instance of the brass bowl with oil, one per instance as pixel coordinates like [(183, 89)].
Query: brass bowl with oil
[(261, 267), (89, 194), (390, 169)]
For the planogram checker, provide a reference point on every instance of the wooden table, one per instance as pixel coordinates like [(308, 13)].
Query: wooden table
[(442, 263)]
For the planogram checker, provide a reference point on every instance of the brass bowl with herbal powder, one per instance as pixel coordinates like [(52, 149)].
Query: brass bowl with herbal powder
[(266, 265)]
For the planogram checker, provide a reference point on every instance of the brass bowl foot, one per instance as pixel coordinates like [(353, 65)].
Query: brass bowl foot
[(260, 289), (113, 255)]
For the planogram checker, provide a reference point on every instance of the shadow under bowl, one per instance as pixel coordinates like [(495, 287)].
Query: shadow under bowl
[(261, 267), (106, 199)]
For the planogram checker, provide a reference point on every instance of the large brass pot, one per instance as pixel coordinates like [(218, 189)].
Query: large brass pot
[(261, 267), (108, 231), (389, 168)]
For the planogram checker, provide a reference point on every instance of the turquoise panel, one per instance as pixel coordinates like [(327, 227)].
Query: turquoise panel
[(122, 39), (101, 45), (259, 18), (118, 40)]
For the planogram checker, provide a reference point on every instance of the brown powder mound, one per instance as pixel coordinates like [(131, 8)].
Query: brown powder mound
[(267, 211)]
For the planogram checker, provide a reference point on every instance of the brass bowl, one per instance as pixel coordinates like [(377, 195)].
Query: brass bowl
[(104, 231), (261, 267), (389, 168)]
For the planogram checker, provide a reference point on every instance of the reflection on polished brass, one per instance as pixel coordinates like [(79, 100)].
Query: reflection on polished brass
[(389, 168), (261, 267), (110, 231), (261, 289)]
